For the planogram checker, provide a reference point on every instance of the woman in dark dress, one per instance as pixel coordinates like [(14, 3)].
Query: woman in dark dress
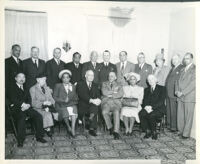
[(66, 101)]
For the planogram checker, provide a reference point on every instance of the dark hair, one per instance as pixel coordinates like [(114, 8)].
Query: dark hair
[(106, 51), (17, 73), (123, 52), (15, 45), (34, 48), (191, 55), (67, 74), (76, 53)]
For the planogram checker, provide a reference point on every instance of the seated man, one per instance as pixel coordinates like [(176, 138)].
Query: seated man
[(21, 109), (153, 107), (43, 102), (111, 102), (89, 100)]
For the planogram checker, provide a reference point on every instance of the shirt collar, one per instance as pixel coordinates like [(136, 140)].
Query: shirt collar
[(56, 60), (188, 66), (34, 60), (125, 62), (141, 65), (15, 58), (20, 85)]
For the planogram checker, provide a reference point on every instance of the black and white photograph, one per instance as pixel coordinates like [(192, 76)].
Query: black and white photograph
[(100, 80)]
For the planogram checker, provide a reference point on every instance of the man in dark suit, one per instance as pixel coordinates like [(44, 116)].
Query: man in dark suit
[(92, 65), (53, 67), (172, 77), (13, 65), (143, 69), (32, 67), (89, 101), (76, 68), (106, 67), (153, 107), (20, 102)]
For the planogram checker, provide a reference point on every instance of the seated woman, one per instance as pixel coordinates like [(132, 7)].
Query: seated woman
[(66, 101), (43, 102), (131, 102)]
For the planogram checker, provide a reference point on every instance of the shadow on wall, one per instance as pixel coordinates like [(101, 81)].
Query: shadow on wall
[(120, 16)]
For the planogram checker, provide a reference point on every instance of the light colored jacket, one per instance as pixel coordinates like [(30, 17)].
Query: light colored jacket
[(38, 97), (187, 84)]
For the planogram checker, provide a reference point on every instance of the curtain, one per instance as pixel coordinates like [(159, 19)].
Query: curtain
[(26, 29)]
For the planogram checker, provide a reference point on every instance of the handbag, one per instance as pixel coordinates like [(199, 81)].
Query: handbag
[(130, 102)]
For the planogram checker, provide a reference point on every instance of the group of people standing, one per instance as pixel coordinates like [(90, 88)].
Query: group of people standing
[(61, 91)]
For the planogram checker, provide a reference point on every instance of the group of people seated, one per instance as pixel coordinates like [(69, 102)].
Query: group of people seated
[(73, 92)]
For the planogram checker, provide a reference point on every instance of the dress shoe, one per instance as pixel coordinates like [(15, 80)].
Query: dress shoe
[(92, 133), (111, 131), (154, 136), (183, 137), (20, 144), (116, 135), (147, 135), (42, 140), (49, 134)]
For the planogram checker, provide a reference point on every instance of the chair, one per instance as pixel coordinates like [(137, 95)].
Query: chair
[(160, 124), (8, 107)]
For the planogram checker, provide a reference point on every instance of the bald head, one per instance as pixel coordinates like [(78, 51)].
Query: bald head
[(89, 76), (176, 60), (94, 56)]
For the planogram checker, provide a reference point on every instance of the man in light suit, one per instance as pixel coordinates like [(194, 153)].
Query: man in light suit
[(124, 67), (53, 67), (112, 92), (106, 67), (32, 67), (143, 69), (172, 77), (185, 90), (92, 65)]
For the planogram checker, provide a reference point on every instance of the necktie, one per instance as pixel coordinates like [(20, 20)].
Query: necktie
[(21, 88), (94, 65), (36, 63), (140, 66), (17, 61), (58, 62), (43, 90), (151, 89), (122, 68), (90, 85), (76, 65), (111, 85)]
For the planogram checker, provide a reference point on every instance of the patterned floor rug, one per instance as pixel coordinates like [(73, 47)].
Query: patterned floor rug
[(169, 147)]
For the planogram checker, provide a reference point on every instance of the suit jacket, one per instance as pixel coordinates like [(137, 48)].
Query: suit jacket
[(116, 91), (31, 71), (18, 97), (144, 73), (105, 70), (89, 66), (11, 69), (172, 77), (52, 71), (85, 94), (76, 72), (130, 67), (38, 97), (155, 99), (187, 84), (162, 75), (60, 95)]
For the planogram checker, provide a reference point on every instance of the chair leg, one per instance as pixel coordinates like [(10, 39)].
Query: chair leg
[(13, 127)]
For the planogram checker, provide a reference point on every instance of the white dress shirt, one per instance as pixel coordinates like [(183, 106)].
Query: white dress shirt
[(35, 60), (16, 59), (125, 62)]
